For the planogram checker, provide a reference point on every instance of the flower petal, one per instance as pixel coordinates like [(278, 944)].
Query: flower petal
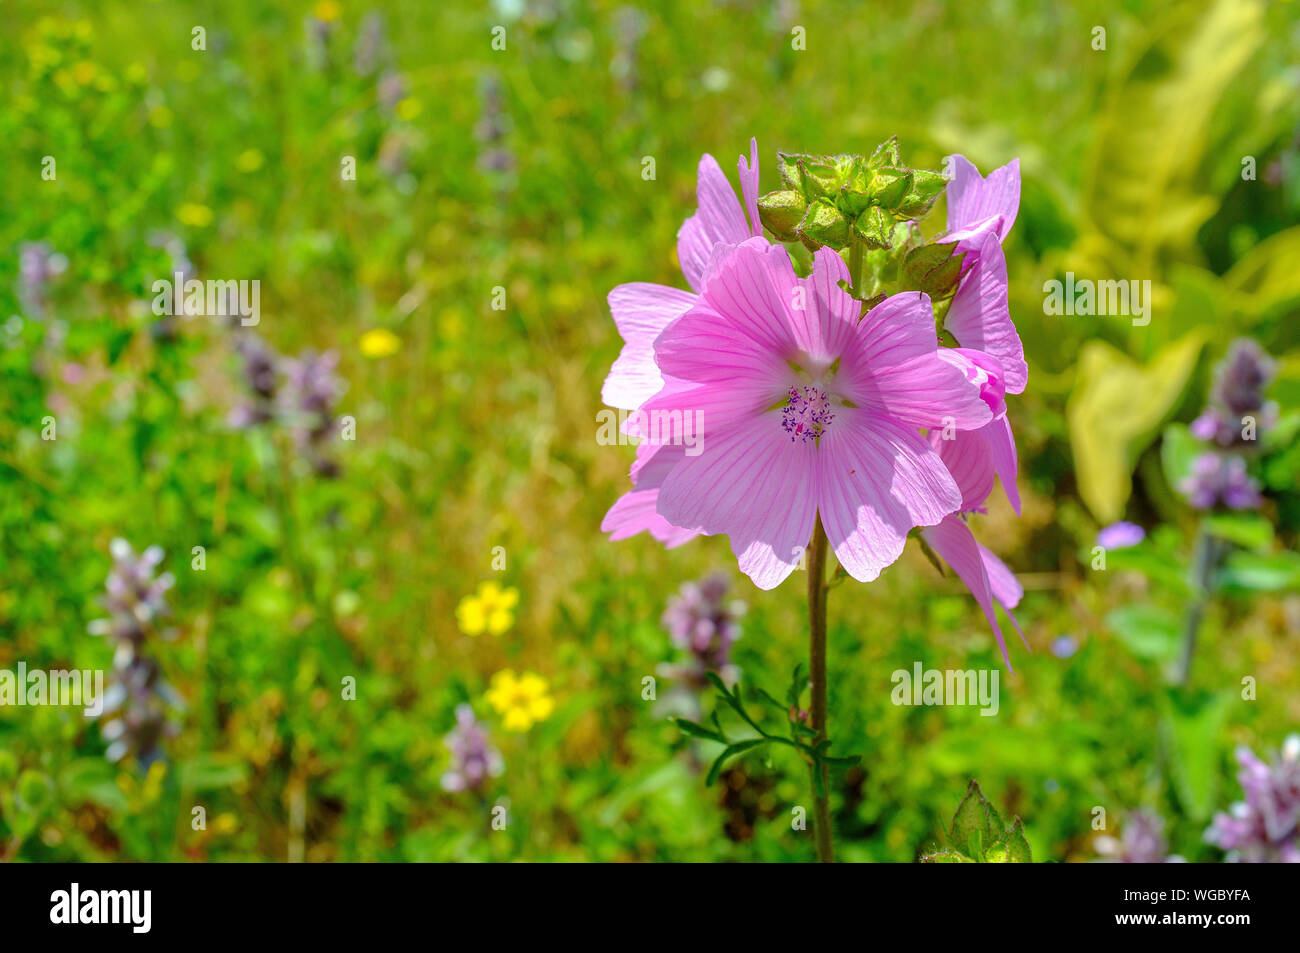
[(980, 317), (749, 187), (973, 198), (878, 480), (754, 485), (953, 541), (719, 219), (641, 310)]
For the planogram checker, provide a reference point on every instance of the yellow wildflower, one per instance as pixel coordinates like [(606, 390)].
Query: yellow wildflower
[(380, 342), (328, 11), (250, 160), (488, 610), (191, 213), (521, 701)]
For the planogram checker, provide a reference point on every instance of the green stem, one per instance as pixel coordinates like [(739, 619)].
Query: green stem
[(817, 667), (1205, 562), (855, 264)]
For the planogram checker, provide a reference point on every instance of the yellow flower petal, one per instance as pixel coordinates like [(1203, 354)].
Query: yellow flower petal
[(380, 343)]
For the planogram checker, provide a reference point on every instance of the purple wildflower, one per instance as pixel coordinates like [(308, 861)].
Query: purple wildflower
[(1143, 841), (493, 126), (1240, 380), (307, 400), (138, 698), (1265, 828), (1063, 646), (700, 621), (1217, 479), (473, 760), (372, 46), (38, 265), (1120, 535), (260, 363)]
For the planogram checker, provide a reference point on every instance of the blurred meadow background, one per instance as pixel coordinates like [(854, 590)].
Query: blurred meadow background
[(395, 481)]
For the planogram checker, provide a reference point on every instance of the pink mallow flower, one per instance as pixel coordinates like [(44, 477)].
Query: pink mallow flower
[(808, 407), (974, 458), (981, 212), (642, 310)]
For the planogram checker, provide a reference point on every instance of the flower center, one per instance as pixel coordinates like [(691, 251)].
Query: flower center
[(807, 412)]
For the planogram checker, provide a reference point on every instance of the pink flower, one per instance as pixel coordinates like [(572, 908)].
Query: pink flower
[(808, 407), (974, 458), (642, 310), (980, 214)]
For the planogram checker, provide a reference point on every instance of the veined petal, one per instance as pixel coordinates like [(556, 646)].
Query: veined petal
[(754, 288), (704, 345), (969, 459), (1002, 443), (749, 187), (637, 511), (641, 310), (973, 198), (953, 541), (825, 316), (719, 219), (878, 480), (753, 485), (980, 317), (1006, 588)]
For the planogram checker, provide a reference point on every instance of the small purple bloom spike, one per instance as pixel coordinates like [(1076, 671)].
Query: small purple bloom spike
[(1143, 841), (1220, 480), (1265, 827), (1240, 380), (701, 621), (138, 698), (473, 759)]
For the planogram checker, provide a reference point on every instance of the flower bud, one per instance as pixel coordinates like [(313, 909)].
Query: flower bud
[(923, 193), (781, 213), (889, 185), (824, 224), (873, 228)]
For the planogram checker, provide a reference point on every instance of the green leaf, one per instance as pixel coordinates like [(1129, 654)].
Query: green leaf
[(971, 815), (207, 772), (1251, 572), (797, 685), (1110, 427), (740, 747), (1147, 631), (698, 730), (1192, 729), (1248, 530), (1178, 448)]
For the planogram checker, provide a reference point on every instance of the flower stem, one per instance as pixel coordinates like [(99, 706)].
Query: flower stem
[(855, 266), (1206, 562), (817, 667)]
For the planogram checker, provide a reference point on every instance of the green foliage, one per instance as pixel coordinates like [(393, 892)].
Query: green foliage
[(477, 432)]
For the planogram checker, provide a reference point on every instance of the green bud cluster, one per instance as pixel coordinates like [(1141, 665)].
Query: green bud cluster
[(839, 200), (978, 835)]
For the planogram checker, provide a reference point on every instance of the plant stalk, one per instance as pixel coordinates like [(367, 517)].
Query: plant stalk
[(817, 668)]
